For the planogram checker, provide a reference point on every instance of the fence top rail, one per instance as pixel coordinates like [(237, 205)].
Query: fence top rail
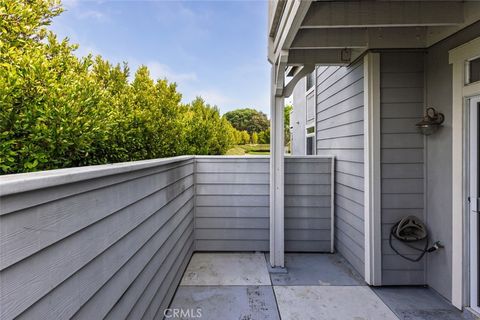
[(22, 182), (310, 157), (266, 157), (233, 157)]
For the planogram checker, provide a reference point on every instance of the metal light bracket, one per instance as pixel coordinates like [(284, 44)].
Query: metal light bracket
[(432, 121)]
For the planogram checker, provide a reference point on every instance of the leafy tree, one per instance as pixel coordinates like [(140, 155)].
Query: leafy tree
[(51, 112), (57, 110), (254, 138), (207, 132), (156, 124), (286, 111), (264, 137), (250, 120), (245, 137)]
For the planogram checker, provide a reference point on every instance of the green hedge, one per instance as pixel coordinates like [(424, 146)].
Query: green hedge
[(57, 110)]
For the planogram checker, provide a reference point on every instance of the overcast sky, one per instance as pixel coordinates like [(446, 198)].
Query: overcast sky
[(215, 49)]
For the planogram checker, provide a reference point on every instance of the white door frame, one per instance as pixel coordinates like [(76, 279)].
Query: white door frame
[(458, 57), (473, 106)]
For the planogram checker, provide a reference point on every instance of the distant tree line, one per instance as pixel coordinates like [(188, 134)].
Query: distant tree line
[(58, 110), (253, 124)]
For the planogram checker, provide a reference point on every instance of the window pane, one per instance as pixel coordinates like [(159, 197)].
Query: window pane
[(474, 74), (310, 107), (309, 146), (310, 78)]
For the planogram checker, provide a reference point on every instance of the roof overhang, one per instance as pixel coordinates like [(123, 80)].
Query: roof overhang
[(306, 32)]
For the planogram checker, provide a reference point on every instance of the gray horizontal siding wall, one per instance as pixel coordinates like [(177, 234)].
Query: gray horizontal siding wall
[(308, 209), (340, 133), (113, 241), (402, 159), (232, 204), (113, 246)]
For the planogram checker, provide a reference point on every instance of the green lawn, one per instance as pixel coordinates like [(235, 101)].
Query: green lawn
[(250, 149)]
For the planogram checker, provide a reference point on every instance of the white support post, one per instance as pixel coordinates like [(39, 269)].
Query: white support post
[(276, 175), (372, 180)]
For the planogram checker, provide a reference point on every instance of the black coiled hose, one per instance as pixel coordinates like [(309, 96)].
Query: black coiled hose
[(406, 242)]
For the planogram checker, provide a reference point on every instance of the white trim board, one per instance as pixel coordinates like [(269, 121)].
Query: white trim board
[(458, 57), (277, 169), (332, 206), (372, 191)]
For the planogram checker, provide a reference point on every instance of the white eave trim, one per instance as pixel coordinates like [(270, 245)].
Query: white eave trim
[(290, 22)]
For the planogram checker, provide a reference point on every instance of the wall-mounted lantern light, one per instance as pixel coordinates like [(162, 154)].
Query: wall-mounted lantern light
[(432, 120)]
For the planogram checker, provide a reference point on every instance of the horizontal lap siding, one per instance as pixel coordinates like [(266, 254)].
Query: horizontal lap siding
[(402, 159), (308, 204), (115, 246), (340, 133), (93, 248), (232, 204)]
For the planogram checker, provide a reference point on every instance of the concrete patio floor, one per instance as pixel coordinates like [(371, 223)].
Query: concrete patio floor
[(317, 286)]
